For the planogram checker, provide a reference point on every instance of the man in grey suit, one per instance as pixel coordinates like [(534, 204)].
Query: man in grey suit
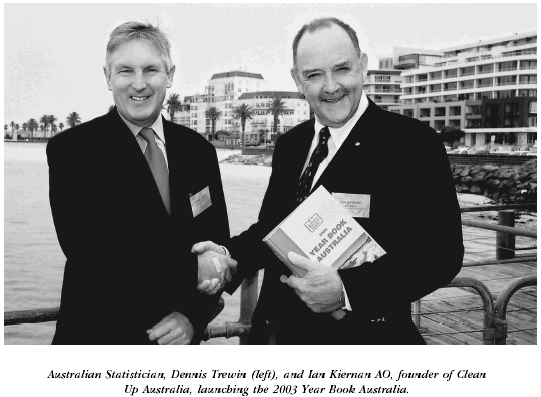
[(419, 229), (130, 194)]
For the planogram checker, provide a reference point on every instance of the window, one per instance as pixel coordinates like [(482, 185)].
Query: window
[(435, 88), (466, 84), (506, 80), (451, 73), (524, 65), (527, 93), (454, 111), (470, 70), (528, 79), (408, 79), (424, 112), (484, 82), (505, 66), (435, 75), (482, 69), (408, 112), (439, 112), (450, 86), (422, 77), (438, 124)]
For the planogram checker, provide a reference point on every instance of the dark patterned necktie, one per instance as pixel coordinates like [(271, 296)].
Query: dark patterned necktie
[(156, 162), (307, 178)]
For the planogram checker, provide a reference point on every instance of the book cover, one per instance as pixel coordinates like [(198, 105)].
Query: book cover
[(321, 229)]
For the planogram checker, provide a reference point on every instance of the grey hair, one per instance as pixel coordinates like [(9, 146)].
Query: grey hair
[(322, 23), (129, 31)]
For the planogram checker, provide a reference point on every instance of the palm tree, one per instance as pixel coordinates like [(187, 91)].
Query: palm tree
[(16, 130), (12, 127), (73, 119), (61, 126), (276, 108), (173, 104), (5, 130), (214, 115), (32, 125), (25, 126), (45, 121), (52, 119), (54, 128), (244, 112)]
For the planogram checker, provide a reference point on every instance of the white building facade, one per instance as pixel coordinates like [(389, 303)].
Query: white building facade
[(457, 89)]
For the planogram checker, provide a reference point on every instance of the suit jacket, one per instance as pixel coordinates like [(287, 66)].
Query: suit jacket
[(414, 216), (129, 263)]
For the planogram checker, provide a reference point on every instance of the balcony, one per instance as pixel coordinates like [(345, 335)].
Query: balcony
[(507, 83), (485, 85), (485, 71), (508, 69), (467, 74)]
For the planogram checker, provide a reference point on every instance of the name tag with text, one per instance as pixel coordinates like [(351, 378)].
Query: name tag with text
[(358, 205), (200, 201)]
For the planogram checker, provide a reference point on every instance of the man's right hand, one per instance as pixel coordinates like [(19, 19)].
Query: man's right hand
[(213, 262)]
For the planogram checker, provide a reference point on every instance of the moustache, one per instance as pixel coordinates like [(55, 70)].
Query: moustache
[(334, 96)]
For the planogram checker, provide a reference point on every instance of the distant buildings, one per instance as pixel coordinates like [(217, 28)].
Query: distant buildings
[(226, 91), (488, 89)]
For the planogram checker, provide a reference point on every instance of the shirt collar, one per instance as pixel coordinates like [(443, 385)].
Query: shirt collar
[(340, 134), (157, 126)]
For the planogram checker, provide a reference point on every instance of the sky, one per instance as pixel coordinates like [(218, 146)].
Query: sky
[(54, 53)]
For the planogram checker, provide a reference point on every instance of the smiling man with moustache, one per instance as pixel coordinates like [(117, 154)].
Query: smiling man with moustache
[(130, 194), (349, 149)]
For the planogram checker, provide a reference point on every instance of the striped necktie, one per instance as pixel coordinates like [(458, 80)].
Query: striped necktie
[(156, 162), (320, 153)]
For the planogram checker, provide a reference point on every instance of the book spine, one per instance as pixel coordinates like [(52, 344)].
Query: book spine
[(282, 250)]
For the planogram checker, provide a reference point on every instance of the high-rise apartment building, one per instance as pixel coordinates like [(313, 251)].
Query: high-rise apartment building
[(383, 87), (457, 89)]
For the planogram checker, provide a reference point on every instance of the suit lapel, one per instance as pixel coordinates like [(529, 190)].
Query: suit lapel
[(130, 166), (354, 156)]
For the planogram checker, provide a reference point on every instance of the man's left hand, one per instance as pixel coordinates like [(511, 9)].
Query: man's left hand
[(174, 329), (320, 288)]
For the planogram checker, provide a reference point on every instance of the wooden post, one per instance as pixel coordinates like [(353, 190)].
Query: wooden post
[(505, 242), (248, 302)]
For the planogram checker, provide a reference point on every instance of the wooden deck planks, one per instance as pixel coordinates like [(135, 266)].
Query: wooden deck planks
[(451, 310)]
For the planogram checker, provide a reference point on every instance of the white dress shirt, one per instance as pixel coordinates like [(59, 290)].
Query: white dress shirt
[(157, 126), (338, 136)]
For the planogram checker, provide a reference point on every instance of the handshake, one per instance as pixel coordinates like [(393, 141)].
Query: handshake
[(214, 267)]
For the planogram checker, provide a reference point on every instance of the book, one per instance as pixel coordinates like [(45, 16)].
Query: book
[(321, 229)]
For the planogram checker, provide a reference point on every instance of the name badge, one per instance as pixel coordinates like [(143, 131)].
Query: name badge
[(358, 205), (200, 201)]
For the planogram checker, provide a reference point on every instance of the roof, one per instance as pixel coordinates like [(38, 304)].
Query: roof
[(270, 95), (384, 71), (236, 73), (516, 36)]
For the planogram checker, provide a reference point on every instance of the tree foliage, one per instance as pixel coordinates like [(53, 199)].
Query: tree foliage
[(73, 119), (244, 112), (451, 135), (277, 108), (173, 105), (214, 114)]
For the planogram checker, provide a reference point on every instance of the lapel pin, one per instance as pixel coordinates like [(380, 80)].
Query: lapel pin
[(357, 143)]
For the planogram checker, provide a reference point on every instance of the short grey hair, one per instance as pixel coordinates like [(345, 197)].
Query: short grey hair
[(140, 31), (322, 23)]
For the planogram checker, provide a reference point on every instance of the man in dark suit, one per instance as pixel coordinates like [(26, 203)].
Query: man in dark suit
[(355, 148), (130, 194)]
